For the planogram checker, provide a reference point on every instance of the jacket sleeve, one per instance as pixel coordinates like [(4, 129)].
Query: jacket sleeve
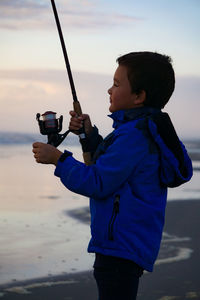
[(110, 171)]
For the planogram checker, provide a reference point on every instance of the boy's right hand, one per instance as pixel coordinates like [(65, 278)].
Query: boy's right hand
[(76, 122)]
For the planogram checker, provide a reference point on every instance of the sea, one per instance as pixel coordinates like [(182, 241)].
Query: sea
[(44, 228)]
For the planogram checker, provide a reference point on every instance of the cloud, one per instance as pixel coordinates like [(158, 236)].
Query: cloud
[(22, 14), (30, 14), (24, 93), (184, 106), (15, 8)]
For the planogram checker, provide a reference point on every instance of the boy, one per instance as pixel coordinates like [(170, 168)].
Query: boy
[(132, 168)]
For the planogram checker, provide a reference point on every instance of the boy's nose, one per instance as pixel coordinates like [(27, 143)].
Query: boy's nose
[(109, 91)]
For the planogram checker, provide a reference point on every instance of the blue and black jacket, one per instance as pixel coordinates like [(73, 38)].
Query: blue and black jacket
[(127, 183)]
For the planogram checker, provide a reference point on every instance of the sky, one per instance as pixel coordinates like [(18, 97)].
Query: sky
[(32, 70)]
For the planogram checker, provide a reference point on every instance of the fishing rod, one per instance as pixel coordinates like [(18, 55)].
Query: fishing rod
[(51, 126)]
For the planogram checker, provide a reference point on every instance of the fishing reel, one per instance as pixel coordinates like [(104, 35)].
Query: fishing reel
[(51, 127)]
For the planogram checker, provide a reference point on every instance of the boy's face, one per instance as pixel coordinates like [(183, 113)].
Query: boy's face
[(120, 93)]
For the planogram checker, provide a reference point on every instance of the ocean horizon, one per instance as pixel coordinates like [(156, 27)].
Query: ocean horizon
[(16, 137), (24, 138)]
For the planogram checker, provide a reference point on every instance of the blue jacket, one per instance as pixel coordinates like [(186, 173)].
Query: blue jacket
[(127, 185)]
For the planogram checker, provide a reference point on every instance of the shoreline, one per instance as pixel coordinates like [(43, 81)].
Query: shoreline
[(176, 279)]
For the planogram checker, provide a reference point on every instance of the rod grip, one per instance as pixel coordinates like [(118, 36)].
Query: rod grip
[(86, 155), (77, 108)]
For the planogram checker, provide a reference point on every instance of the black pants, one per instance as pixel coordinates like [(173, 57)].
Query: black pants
[(116, 278)]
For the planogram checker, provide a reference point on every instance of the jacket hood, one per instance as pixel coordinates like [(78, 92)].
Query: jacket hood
[(176, 165)]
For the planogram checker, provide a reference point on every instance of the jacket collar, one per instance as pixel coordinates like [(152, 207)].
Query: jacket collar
[(122, 116)]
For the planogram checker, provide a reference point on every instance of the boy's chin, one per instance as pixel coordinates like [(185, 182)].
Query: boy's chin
[(111, 109)]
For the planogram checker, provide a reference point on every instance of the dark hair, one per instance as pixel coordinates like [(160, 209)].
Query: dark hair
[(151, 72)]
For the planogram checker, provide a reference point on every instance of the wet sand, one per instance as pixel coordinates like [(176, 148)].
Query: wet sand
[(169, 281)]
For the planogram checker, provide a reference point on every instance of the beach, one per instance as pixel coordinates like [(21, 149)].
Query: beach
[(44, 232), (175, 279)]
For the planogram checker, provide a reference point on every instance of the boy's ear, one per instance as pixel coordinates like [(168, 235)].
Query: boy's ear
[(140, 97)]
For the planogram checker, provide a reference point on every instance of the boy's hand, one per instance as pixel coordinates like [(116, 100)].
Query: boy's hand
[(76, 122), (45, 153)]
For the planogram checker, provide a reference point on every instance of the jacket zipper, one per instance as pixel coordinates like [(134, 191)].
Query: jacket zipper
[(113, 218)]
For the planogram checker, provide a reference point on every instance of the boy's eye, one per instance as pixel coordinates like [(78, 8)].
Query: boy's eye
[(115, 84)]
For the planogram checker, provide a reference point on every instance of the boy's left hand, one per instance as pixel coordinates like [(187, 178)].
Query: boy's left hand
[(46, 154)]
